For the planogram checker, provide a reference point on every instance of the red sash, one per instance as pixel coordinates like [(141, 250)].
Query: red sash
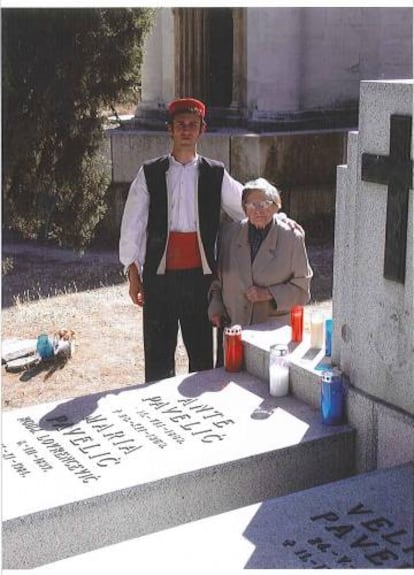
[(183, 251)]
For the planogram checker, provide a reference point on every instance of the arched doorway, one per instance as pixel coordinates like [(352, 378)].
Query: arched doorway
[(220, 57), (209, 55)]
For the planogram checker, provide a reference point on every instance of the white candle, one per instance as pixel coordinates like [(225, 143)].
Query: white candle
[(317, 322), (279, 380)]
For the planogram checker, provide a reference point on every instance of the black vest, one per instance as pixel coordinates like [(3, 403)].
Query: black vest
[(209, 204)]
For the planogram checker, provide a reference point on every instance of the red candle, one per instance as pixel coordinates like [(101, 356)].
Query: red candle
[(233, 348), (296, 322)]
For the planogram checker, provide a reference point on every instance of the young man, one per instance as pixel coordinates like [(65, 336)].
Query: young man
[(168, 242)]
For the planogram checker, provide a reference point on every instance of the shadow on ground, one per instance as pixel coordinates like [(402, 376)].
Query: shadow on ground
[(32, 271)]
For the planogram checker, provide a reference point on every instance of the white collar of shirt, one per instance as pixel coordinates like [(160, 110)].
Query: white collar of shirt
[(175, 163), (182, 184)]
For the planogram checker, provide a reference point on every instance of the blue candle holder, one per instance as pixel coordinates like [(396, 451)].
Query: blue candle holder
[(44, 346), (328, 337)]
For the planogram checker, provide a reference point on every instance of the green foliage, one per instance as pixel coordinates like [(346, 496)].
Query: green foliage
[(61, 68)]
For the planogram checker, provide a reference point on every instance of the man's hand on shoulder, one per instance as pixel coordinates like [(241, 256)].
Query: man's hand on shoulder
[(291, 223)]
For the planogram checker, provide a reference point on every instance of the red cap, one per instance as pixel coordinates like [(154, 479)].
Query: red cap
[(189, 105)]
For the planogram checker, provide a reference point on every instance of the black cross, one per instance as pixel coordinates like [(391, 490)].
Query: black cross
[(396, 172)]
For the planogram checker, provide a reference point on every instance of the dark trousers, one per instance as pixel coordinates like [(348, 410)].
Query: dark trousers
[(177, 298)]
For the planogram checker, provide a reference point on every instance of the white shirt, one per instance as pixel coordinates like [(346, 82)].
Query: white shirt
[(182, 188)]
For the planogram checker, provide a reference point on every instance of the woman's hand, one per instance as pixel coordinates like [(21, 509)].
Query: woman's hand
[(256, 294), (216, 320), (136, 288)]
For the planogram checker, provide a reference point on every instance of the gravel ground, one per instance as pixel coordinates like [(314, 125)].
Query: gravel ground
[(45, 289)]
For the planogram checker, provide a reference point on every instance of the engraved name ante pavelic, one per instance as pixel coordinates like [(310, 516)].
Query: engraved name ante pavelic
[(198, 420)]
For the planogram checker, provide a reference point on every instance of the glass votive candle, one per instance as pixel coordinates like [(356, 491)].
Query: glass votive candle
[(317, 331), (279, 370)]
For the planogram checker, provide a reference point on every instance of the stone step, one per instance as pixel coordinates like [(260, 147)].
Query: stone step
[(97, 470), (364, 522), (306, 363)]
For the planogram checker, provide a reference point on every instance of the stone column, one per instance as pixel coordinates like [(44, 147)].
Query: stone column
[(191, 62), (239, 59)]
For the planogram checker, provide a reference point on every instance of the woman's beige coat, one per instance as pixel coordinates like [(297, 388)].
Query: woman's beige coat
[(281, 265)]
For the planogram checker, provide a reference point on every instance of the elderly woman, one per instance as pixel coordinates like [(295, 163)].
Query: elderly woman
[(263, 268)]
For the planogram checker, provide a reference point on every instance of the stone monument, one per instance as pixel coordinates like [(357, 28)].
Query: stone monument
[(373, 290), (92, 471), (365, 522)]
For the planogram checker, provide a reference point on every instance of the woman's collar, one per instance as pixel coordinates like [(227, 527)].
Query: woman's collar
[(262, 231)]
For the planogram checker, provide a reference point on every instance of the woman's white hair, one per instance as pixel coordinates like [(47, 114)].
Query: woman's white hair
[(264, 186)]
